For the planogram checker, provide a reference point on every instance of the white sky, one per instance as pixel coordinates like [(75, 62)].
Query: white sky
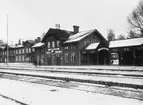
[(30, 18)]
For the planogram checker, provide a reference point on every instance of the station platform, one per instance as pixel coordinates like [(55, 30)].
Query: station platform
[(110, 67)]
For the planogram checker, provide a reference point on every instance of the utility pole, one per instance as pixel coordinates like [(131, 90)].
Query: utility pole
[(7, 60)]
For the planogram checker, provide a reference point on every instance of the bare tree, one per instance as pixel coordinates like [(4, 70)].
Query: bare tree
[(135, 19), (132, 34), (110, 35), (2, 42), (121, 37)]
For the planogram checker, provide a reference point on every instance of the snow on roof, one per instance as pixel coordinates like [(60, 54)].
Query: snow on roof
[(2, 47), (127, 42), (19, 46), (38, 44), (79, 36), (92, 46), (12, 46)]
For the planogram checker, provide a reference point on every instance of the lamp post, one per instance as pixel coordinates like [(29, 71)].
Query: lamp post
[(7, 60)]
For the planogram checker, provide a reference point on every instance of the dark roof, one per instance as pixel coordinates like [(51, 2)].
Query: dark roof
[(57, 33), (31, 41)]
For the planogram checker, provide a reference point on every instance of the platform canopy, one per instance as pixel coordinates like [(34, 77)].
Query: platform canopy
[(92, 46), (126, 43)]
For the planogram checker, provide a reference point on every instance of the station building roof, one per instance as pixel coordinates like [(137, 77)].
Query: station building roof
[(126, 43), (19, 46), (79, 36)]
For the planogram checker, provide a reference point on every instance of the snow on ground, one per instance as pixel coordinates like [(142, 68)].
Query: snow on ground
[(74, 76), (4, 101), (36, 94), (113, 67)]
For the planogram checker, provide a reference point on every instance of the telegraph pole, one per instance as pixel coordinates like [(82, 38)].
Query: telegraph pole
[(7, 60)]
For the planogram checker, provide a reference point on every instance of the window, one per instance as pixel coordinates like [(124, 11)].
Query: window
[(48, 44), (19, 58), (84, 42), (114, 49), (23, 50), (27, 59), (66, 57), (26, 50), (33, 50), (30, 50), (22, 58), (72, 47), (15, 51), (53, 44), (73, 57), (19, 51), (16, 58), (58, 43), (126, 49), (66, 47)]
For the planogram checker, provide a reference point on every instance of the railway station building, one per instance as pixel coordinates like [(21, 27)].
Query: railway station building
[(62, 47), (75, 48)]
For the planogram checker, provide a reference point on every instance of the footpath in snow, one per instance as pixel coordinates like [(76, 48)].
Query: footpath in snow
[(36, 94)]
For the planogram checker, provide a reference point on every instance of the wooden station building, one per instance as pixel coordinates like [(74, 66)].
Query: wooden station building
[(75, 48)]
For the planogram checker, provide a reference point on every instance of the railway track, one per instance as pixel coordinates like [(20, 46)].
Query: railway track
[(95, 88), (132, 73), (123, 85), (121, 81), (7, 100)]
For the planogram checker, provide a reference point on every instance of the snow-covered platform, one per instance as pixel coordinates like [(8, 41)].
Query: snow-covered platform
[(35, 94), (111, 67)]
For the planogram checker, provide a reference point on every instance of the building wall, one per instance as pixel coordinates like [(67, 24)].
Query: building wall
[(129, 55), (39, 55), (52, 46), (71, 54)]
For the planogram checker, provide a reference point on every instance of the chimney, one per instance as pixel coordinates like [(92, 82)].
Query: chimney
[(75, 29), (39, 39)]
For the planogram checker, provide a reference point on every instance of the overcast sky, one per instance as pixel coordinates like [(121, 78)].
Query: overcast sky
[(28, 19)]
